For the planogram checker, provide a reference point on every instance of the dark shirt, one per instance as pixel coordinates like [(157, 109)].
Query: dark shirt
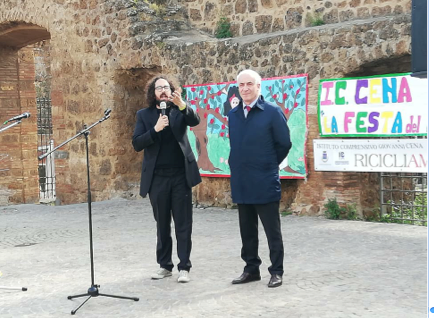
[(170, 159)]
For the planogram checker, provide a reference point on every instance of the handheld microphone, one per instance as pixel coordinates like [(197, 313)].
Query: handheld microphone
[(163, 107), (24, 115)]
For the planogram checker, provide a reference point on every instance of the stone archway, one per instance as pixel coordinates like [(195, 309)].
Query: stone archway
[(20, 34), (130, 97), (18, 144)]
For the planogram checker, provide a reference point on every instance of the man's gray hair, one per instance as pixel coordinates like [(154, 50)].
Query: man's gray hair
[(252, 73)]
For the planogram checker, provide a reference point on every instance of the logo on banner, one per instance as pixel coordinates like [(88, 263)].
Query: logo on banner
[(342, 160), (325, 157)]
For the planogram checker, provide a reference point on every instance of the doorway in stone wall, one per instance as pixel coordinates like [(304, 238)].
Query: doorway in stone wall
[(47, 176), (19, 145), (46, 166), (130, 85)]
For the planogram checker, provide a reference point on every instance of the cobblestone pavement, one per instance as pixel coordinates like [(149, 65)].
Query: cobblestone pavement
[(332, 268)]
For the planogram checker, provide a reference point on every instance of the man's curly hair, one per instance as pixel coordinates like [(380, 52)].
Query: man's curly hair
[(150, 89)]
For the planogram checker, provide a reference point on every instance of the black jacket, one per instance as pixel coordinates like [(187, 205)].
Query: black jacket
[(145, 138)]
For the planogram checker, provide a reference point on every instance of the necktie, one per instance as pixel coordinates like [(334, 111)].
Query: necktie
[(247, 110)]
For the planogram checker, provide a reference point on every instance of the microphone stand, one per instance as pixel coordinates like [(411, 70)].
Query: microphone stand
[(93, 290), (10, 126), (1, 130)]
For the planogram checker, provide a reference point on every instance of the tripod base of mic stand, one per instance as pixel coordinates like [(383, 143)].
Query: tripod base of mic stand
[(94, 292), (14, 288)]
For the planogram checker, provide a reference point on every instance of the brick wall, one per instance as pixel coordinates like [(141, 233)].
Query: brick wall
[(10, 189), (18, 146)]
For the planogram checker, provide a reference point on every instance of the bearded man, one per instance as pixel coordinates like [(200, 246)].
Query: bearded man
[(169, 171)]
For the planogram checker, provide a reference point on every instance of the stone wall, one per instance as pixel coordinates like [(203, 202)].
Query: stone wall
[(318, 51), (103, 52), (84, 48), (264, 16)]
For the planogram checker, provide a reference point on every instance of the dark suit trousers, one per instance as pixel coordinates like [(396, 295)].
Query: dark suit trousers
[(171, 197), (270, 218)]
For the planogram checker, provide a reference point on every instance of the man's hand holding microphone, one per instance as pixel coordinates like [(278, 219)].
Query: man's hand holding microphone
[(162, 122)]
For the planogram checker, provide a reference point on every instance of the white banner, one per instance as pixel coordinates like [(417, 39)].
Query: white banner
[(371, 155), (393, 105)]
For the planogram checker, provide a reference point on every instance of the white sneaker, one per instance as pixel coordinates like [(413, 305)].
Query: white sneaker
[(183, 277), (161, 273)]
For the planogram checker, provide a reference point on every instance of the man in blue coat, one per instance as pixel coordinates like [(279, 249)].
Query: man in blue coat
[(260, 141)]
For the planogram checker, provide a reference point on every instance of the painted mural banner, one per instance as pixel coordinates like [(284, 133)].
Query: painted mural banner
[(380, 106), (212, 102), (371, 155)]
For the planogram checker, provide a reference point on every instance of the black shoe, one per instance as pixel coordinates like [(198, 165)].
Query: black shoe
[(246, 278), (275, 281)]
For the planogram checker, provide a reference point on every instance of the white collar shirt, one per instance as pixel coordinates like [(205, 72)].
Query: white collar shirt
[(250, 105)]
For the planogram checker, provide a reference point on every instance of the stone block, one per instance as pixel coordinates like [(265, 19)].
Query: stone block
[(88, 46), (346, 15), (240, 7), (293, 18), (210, 12), (263, 23), (105, 167), (362, 13), (73, 107), (195, 15), (267, 3), (398, 10), (247, 28), (113, 37), (252, 5), (278, 25), (380, 11), (355, 3), (235, 29)]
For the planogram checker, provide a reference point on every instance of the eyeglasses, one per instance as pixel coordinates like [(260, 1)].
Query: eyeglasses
[(160, 88)]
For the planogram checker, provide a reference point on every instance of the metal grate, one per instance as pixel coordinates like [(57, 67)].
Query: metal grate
[(403, 197), (47, 178)]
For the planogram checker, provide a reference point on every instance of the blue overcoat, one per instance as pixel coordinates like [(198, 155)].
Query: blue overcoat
[(259, 143)]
